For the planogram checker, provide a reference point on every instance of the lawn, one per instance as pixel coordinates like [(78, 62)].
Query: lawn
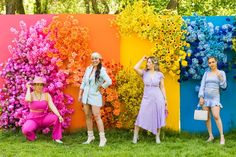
[(13, 144)]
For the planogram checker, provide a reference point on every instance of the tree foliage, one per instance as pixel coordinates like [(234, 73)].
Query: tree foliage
[(182, 7)]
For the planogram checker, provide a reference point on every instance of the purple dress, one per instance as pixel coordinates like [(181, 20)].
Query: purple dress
[(151, 115)]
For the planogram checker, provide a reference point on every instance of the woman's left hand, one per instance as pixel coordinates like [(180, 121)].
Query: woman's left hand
[(166, 102), (60, 119), (218, 74), (99, 89), (166, 110)]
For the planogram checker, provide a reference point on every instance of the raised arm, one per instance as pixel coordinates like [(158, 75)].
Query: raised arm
[(28, 94), (53, 107), (138, 65)]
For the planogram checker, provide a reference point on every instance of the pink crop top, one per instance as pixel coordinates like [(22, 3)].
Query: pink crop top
[(39, 105)]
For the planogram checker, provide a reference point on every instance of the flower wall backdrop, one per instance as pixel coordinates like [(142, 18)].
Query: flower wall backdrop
[(29, 58), (163, 30), (130, 90), (112, 107), (59, 51), (206, 40), (71, 40)]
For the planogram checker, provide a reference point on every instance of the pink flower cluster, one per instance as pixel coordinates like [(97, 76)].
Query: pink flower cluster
[(29, 58)]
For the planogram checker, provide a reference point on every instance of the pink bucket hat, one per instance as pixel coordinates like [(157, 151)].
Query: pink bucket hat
[(38, 79)]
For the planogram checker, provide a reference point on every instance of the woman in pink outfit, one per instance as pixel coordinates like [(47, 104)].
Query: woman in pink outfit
[(39, 116)]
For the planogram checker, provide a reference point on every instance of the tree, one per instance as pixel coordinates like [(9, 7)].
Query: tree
[(41, 6), (87, 6), (99, 7), (10, 6), (14, 6), (172, 5)]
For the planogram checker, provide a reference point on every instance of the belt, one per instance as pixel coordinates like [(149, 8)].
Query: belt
[(150, 85)]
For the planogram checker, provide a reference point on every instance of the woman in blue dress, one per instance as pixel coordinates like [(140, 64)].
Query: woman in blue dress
[(94, 79), (209, 96)]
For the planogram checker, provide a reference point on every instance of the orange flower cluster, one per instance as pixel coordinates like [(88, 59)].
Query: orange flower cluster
[(111, 110), (71, 41)]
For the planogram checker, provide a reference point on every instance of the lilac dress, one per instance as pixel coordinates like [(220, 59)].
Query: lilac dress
[(151, 115)]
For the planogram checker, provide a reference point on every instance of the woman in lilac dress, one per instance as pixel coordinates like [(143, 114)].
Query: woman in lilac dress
[(209, 96), (151, 115)]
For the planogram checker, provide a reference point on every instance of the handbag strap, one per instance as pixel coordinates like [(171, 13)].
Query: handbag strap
[(199, 107)]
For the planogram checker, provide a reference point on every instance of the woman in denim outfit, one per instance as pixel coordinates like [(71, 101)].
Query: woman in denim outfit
[(94, 79)]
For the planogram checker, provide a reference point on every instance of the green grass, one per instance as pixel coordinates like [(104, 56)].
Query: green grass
[(13, 144)]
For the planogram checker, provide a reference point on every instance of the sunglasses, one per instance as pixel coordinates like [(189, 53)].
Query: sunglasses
[(38, 84)]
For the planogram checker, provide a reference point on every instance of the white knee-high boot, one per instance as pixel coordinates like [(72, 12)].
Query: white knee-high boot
[(103, 139), (90, 137)]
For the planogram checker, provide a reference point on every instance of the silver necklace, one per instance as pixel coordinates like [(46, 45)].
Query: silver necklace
[(38, 96)]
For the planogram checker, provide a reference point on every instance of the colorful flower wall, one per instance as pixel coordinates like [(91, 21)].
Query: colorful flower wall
[(29, 51), (59, 49)]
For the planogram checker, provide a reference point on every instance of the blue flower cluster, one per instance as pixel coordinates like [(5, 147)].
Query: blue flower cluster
[(205, 40)]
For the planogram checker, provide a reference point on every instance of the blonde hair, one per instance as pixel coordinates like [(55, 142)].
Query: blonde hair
[(155, 62)]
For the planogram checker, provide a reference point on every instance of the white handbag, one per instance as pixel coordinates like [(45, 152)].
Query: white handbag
[(200, 115)]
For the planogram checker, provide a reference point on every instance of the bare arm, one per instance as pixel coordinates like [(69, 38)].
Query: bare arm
[(53, 107), (106, 78), (80, 95), (163, 90), (138, 65), (28, 94)]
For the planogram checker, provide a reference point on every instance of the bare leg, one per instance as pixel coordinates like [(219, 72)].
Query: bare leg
[(89, 123), (216, 114), (97, 116), (158, 141), (88, 116), (208, 124), (136, 131)]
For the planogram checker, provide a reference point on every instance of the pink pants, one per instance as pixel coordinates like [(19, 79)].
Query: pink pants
[(41, 121)]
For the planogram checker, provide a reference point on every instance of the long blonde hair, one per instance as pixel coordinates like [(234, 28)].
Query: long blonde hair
[(155, 62)]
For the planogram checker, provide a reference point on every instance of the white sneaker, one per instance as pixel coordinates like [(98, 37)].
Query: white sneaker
[(135, 139), (158, 141), (58, 141), (222, 142), (210, 139)]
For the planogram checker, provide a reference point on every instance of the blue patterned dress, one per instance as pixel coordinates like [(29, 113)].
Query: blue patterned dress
[(210, 88)]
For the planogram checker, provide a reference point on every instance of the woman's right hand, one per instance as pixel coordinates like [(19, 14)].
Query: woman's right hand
[(201, 101), (80, 98), (28, 85), (144, 58)]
